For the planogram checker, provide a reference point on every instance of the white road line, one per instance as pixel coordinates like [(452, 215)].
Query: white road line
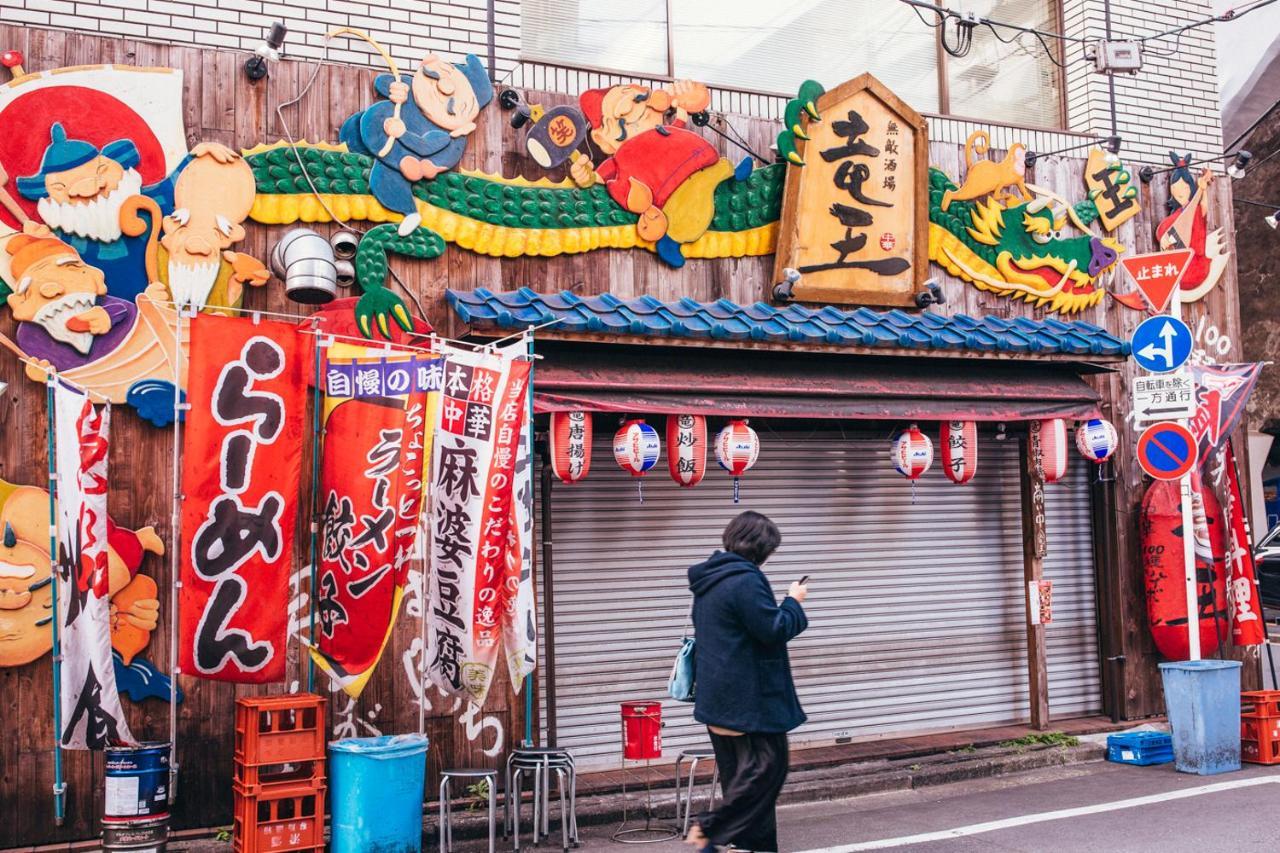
[(1041, 817)]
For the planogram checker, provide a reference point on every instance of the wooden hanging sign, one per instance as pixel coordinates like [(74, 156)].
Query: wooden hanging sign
[(854, 211)]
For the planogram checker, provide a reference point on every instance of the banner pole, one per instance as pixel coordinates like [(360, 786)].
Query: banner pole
[(528, 682), (317, 402), (59, 787), (175, 554)]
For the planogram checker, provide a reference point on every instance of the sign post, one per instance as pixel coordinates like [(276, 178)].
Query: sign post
[(1188, 528)]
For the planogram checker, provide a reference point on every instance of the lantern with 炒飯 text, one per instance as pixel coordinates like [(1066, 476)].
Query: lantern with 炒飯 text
[(570, 445), (1048, 447), (687, 448), (959, 450), (636, 448), (737, 448)]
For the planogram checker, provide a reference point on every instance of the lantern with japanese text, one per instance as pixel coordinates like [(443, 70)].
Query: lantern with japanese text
[(687, 448), (570, 445), (636, 446), (1049, 447), (1097, 440), (959, 450), (737, 448), (912, 453)]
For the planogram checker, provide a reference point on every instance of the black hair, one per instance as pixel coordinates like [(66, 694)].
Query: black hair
[(1181, 172), (752, 536)]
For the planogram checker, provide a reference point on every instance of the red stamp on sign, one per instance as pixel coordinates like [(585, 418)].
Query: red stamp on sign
[(888, 241)]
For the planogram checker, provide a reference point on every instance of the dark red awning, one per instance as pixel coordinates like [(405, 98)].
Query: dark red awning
[(751, 384)]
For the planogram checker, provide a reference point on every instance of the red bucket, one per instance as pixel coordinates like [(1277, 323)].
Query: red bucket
[(641, 730)]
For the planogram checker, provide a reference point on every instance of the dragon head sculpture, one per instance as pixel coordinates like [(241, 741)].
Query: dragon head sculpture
[(1021, 251)]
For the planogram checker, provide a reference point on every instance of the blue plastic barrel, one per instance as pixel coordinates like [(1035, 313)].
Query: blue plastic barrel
[(376, 792), (1202, 698), (137, 782)]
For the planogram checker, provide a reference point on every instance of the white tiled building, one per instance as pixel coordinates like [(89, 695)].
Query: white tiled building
[(748, 48)]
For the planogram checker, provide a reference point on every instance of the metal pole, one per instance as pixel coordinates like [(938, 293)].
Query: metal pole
[(175, 555), (528, 682), (59, 787), (317, 439), (1188, 540), (548, 606)]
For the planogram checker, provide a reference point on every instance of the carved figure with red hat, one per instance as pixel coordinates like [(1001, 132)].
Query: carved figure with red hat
[(656, 167)]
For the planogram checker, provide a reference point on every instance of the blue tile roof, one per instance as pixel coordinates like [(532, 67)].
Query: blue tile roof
[(723, 320)]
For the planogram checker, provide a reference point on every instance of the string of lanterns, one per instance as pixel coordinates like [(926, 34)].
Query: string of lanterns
[(637, 447)]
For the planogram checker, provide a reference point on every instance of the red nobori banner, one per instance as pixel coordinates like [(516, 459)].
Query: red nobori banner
[(475, 580), (1242, 584), (372, 467), (241, 470)]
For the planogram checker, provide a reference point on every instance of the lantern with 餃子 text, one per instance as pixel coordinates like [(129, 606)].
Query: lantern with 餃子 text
[(1097, 440), (687, 448), (737, 448), (959, 450), (636, 447), (570, 445), (1048, 439)]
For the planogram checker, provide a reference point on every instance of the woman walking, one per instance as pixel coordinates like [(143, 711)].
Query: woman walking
[(744, 693)]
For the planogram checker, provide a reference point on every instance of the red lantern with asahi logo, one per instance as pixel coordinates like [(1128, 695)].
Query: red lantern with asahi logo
[(570, 445), (687, 448)]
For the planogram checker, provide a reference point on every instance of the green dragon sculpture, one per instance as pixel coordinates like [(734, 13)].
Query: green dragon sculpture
[(1019, 251)]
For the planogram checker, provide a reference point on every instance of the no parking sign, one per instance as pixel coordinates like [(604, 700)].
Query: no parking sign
[(1166, 451)]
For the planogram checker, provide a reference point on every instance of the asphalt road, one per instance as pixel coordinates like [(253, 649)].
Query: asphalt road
[(1090, 807)]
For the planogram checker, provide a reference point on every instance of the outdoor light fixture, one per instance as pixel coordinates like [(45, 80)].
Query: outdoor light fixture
[(931, 295), (782, 290), (1236, 169), (1272, 220), (255, 67), (1001, 435)]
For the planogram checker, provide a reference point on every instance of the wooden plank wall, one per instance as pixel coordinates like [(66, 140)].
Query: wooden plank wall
[(221, 105)]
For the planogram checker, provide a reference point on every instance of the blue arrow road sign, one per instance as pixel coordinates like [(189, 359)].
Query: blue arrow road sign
[(1161, 344)]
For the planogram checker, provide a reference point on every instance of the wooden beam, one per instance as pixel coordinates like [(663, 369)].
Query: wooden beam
[(1034, 548)]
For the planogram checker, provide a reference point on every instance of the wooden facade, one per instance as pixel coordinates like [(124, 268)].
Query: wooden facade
[(222, 105)]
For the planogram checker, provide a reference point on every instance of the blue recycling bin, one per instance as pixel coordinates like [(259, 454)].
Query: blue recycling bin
[(376, 792), (1202, 698)]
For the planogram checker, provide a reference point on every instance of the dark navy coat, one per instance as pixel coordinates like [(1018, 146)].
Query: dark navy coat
[(741, 670)]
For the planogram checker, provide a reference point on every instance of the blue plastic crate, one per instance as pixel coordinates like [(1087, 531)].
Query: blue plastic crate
[(1141, 748)]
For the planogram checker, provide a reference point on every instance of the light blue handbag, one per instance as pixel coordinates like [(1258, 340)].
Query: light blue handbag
[(680, 686)]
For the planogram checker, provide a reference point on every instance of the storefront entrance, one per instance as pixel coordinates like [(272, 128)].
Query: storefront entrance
[(917, 619)]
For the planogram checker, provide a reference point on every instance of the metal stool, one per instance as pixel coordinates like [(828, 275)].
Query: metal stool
[(541, 762), (446, 825), (694, 756)]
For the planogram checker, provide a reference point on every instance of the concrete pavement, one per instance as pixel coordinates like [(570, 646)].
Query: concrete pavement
[(1076, 809)]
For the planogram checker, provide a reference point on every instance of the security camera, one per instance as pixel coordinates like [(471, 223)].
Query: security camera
[(345, 244), (931, 295), (255, 67), (782, 290)]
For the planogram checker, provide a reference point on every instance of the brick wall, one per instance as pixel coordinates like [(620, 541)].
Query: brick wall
[(1149, 125), (407, 28)]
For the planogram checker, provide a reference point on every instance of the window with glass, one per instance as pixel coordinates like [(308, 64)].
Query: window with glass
[(770, 46)]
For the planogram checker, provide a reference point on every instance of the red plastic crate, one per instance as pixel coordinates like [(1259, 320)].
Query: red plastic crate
[(278, 819), (1260, 703), (280, 729), (251, 779), (1260, 739)]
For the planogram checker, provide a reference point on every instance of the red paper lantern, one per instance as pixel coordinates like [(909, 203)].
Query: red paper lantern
[(912, 453), (737, 448), (570, 438), (687, 448), (1049, 447), (959, 450)]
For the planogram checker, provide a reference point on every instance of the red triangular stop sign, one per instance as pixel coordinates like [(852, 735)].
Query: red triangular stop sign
[(1157, 274)]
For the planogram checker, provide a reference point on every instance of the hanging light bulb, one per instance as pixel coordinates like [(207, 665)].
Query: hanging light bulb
[(1236, 169), (1273, 220)]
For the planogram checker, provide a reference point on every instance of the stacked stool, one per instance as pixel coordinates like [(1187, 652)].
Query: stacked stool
[(280, 777), (541, 763)]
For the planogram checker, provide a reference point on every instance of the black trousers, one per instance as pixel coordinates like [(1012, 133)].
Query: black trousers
[(752, 770)]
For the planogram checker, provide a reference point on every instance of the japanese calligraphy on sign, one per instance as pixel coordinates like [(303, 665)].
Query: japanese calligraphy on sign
[(854, 223), (1164, 397), (1111, 189), (238, 519), (481, 581)]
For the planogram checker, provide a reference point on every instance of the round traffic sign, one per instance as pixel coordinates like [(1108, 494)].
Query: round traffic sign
[(1161, 343), (1166, 451)]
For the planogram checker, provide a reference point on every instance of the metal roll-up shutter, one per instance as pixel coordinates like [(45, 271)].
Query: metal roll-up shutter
[(917, 612)]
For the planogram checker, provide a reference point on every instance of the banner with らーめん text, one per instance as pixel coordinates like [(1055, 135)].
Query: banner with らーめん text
[(241, 468), (476, 562), (378, 407)]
